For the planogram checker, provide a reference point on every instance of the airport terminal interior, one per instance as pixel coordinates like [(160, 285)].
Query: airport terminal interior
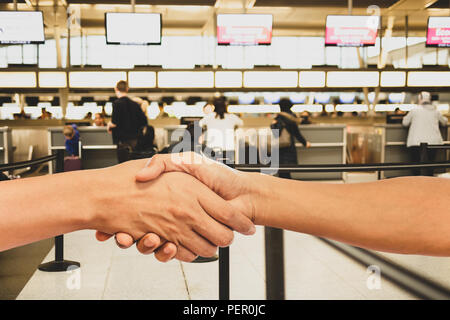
[(350, 71)]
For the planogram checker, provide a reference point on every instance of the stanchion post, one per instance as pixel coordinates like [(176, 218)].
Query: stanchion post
[(59, 264), (224, 273), (274, 254), (423, 149), (224, 262)]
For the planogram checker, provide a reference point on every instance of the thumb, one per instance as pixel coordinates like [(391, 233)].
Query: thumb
[(152, 170)]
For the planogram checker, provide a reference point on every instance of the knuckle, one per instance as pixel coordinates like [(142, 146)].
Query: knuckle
[(227, 216), (226, 240), (209, 251)]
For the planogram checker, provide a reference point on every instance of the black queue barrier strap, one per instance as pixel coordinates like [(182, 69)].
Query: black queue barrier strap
[(342, 167), (25, 164)]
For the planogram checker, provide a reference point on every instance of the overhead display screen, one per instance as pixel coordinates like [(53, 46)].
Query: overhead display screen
[(244, 29), (438, 32), (351, 31), (133, 28), (21, 27)]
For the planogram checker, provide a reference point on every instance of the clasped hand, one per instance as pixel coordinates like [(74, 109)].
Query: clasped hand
[(179, 206)]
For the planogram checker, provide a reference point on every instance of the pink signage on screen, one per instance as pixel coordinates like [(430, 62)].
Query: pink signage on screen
[(438, 33), (351, 30), (244, 29)]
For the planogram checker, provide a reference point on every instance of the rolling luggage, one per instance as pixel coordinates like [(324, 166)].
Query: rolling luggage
[(72, 163)]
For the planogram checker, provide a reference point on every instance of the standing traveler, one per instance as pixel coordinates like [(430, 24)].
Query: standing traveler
[(127, 121), (423, 123), (287, 124)]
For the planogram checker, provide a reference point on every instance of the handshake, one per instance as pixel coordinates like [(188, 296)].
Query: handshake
[(177, 206)]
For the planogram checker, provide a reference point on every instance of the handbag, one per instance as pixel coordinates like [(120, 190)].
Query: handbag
[(280, 132)]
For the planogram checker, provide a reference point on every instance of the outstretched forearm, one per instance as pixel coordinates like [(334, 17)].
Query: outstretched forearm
[(402, 215), (38, 208)]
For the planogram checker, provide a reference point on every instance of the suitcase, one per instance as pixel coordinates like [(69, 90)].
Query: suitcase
[(72, 164)]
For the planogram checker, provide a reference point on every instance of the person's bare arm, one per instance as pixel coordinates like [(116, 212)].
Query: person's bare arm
[(402, 215), (176, 206)]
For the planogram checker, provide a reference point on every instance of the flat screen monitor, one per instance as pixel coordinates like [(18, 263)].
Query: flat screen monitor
[(133, 28), (351, 31), (244, 29), (21, 27), (438, 32)]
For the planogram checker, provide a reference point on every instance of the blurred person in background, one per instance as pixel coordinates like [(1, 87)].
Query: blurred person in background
[(220, 127), (305, 117), (45, 115), (288, 122), (423, 123), (126, 122), (72, 137), (99, 120), (88, 116), (208, 108), (142, 103)]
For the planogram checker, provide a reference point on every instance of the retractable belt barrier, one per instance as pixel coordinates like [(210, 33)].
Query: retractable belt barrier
[(274, 248), (59, 264)]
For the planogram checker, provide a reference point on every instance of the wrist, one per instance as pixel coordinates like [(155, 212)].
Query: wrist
[(92, 184), (260, 196)]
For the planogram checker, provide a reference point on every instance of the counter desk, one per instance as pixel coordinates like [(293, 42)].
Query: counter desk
[(394, 147), (328, 146), (96, 149)]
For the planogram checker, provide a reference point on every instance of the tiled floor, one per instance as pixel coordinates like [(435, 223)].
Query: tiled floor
[(313, 271)]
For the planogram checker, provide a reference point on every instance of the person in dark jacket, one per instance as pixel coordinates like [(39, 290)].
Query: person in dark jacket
[(127, 121), (287, 120)]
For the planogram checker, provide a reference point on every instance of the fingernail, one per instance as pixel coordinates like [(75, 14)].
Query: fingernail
[(148, 243), (148, 161), (167, 250), (252, 230)]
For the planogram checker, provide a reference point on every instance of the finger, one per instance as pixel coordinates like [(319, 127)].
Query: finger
[(184, 254), (149, 243), (124, 240), (166, 253), (214, 231), (158, 164), (153, 169), (169, 251), (195, 243), (101, 236), (225, 213)]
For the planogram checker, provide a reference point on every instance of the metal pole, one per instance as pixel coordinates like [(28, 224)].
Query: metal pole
[(224, 273), (424, 158), (59, 264), (274, 255)]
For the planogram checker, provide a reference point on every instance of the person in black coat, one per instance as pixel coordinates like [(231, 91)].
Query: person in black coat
[(126, 124), (287, 120)]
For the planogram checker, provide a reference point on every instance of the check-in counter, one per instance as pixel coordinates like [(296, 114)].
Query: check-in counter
[(5, 145), (328, 145), (96, 151), (394, 147)]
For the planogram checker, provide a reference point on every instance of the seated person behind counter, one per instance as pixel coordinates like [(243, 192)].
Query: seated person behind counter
[(99, 120)]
